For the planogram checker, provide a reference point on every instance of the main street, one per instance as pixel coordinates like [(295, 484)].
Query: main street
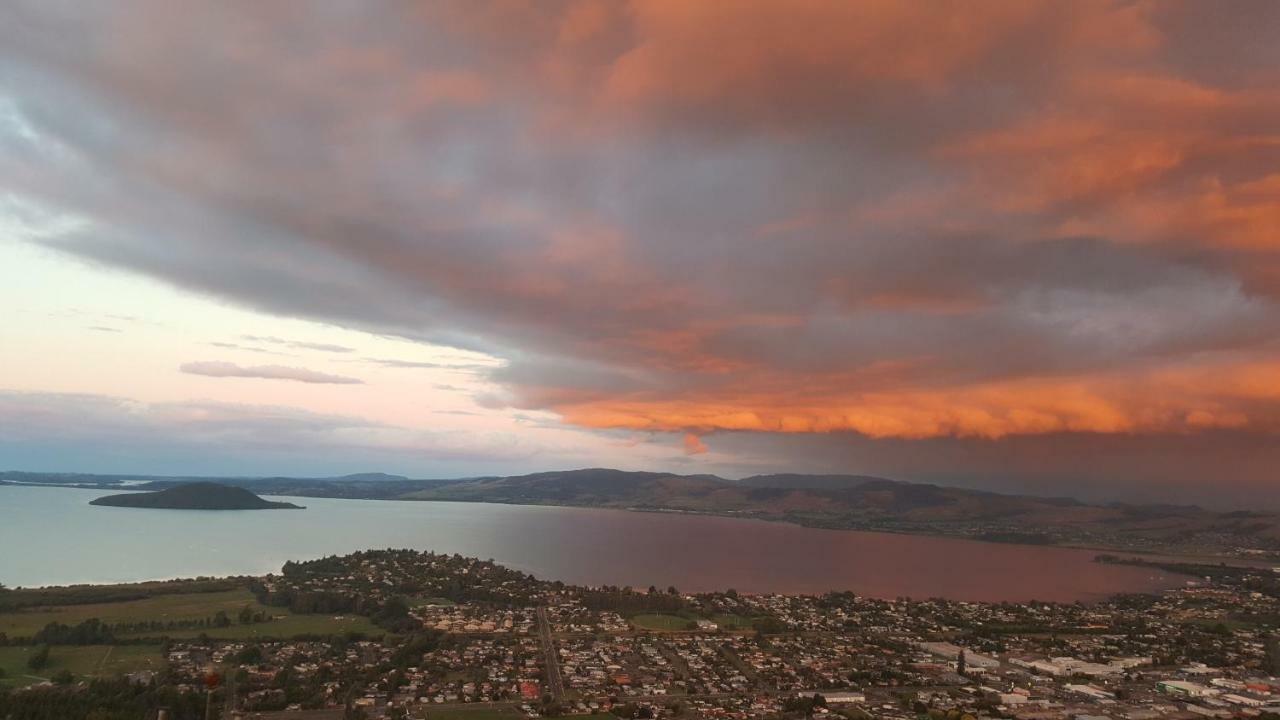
[(555, 683)]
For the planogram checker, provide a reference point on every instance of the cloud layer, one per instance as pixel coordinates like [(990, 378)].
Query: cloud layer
[(986, 221), (100, 433)]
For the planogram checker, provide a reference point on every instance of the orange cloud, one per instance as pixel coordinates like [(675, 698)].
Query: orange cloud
[(693, 445), (1178, 400)]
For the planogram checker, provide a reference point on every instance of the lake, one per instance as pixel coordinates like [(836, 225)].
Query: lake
[(52, 536)]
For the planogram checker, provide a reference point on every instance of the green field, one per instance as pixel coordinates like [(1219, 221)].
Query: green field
[(663, 623), (82, 661), (188, 606)]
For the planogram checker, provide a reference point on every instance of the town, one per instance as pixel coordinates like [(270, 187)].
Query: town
[(465, 638)]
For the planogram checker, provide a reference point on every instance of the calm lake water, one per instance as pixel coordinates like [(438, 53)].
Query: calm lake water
[(52, 536)]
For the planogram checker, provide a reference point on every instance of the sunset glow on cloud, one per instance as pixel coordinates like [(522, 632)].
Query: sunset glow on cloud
[(657, 230)]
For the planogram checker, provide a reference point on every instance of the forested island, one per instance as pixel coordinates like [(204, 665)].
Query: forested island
[(195, 496)]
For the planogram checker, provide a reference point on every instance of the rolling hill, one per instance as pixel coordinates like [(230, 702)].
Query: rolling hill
[(871, 503)]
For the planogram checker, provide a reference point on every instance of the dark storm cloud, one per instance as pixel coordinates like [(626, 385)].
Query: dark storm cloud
[(1216, 469)]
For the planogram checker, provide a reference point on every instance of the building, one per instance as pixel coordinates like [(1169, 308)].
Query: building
[(1183, 688)]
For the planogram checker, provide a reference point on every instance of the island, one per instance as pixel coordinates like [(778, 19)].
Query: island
[(195, 496)]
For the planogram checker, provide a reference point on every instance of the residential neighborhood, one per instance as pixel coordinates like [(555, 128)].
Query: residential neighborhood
[(468, 635)]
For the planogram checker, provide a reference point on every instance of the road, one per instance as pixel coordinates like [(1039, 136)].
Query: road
[(555, 683)]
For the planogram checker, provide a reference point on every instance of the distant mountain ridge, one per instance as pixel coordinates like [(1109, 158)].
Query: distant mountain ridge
[(194, 496)]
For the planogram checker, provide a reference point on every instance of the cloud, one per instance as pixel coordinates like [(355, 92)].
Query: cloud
[(426, 365), (247, 348), (220, 369), (100, 433), (299, 344), (985, 222), (693, 445)]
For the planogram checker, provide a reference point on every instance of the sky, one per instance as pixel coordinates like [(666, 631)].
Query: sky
[(1025, 246)]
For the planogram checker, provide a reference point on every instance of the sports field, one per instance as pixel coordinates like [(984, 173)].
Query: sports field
[(661, 622)]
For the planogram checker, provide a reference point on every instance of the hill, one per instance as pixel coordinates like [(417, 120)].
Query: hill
[(870, 503), (810, 482), (593, 486), (195, 496)]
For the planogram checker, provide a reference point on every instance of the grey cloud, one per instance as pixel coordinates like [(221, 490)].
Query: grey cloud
[(221, 369)]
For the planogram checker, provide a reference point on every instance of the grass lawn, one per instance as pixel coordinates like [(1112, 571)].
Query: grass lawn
[(188, 606), (664, 623), (507, 712), (82, 661)]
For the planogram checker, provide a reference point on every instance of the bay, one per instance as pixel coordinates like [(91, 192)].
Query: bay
[(52, 536)]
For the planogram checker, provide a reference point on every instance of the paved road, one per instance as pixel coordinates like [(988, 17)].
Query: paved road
[(555, 683)]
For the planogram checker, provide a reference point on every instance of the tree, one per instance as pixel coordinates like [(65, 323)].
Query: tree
[(250, 655), (39, 659)]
